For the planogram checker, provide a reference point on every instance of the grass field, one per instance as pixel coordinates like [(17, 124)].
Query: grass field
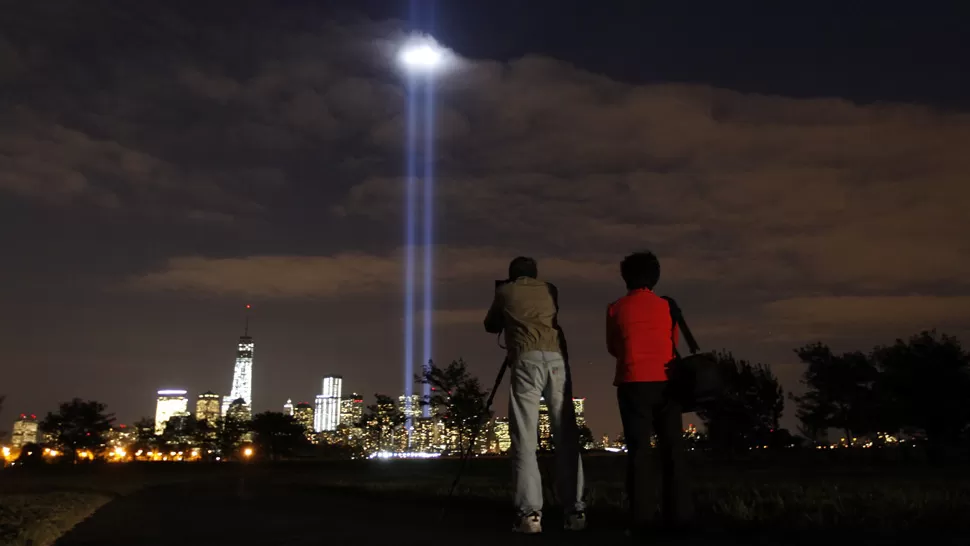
[(794, 492), (38, 519)]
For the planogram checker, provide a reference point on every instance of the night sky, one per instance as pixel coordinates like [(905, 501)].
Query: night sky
[(802, 176)]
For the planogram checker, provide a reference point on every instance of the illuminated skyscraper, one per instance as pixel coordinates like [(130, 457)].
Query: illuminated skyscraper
[(545, 428), (242, 375), (303, 413), (24, 431), (170, 402), (318, 409), (579, 406), (207, 408), (422, 434), (412, 408), (328, 405), (351, 410), (288, 407), (502, 438)]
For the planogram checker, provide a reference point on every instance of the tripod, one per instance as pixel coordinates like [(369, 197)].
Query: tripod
[(466, 454)]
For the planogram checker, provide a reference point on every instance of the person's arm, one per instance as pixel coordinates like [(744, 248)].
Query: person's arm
[(495, 320), (610, 331)]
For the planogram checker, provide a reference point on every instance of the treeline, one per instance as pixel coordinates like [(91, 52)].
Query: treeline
[(916, 386), (80, 430)]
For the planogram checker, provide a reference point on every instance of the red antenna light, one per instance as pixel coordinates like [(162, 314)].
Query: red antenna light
[(249, 306)]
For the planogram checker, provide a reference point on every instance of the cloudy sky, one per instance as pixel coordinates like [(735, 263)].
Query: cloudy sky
[(162, 164)]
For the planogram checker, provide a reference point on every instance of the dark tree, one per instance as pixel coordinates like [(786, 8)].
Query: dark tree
[(586, 440), (145, 438), (31, 454), (379, 422), (78, 425), (230, 432), (277, 435), (457, 398), (923, 384), (748, 412), (3, 434), (205, 436), (180, 432), (145, 430), (839, 392)]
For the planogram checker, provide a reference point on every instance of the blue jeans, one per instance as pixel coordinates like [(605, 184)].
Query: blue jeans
[(538, 374)]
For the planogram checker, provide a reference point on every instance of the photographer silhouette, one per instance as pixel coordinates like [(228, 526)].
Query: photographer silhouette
[(527, 310)]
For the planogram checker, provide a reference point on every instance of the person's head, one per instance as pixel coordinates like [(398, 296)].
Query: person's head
[(523, 267), (640, 270)]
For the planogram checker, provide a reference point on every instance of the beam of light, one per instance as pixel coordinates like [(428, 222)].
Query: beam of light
[(409, 230), (428, 229)]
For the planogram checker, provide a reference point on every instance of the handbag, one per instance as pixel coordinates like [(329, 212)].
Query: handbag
[(695, 379)]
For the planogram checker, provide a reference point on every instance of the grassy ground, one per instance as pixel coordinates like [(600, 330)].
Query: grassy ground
[(39, 519), (743, 495), (778, 493)]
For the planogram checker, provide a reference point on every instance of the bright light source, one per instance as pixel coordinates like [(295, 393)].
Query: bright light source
[(248, 452), (421, 56)]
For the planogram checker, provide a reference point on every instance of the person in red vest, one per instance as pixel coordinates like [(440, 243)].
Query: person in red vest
[(641, 335)]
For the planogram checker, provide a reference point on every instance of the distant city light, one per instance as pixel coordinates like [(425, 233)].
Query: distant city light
[(403, 455), (248, 452)]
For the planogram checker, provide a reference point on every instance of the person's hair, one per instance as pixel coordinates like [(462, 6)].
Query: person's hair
[(640, 270), (523, 267)]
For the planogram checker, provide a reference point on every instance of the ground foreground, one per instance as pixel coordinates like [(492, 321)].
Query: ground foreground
[(250, 508), (768, 501), (290, 515), (38, 519)]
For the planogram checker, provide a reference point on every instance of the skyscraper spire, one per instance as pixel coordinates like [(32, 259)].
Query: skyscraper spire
[(242, 375)]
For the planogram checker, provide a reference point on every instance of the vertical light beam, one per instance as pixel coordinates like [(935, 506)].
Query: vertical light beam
[(428, 188), (410, 231)]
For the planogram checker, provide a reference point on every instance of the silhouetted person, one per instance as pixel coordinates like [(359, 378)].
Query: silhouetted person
[(526, 309), (641, 335)]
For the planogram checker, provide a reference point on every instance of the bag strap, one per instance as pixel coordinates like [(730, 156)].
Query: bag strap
[(554, 293), (677, 319)]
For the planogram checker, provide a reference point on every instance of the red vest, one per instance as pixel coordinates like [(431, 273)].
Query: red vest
[(639, 333)]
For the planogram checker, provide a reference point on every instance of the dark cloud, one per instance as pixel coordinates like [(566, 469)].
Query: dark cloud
[(343, 275), (777, 219)]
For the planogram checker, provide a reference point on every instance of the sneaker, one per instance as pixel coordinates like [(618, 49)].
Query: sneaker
[(575, 521), (529, 524)]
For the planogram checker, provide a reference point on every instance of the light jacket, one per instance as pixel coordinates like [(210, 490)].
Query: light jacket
[(526, 309)]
